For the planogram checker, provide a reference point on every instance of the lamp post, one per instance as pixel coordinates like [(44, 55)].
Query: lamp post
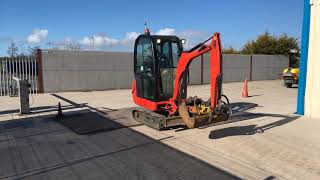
[(92, 37)]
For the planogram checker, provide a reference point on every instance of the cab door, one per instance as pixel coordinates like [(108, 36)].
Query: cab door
[(168, 54), (144, 68)]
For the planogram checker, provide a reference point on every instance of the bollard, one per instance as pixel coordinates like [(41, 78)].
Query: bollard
[(23, 89), (59, 110)]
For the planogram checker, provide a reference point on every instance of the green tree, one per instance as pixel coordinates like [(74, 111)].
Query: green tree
[(248, 48), (286, 43), (230, 50), (33, 50), (271, 44), (274, 45), (13, 49)]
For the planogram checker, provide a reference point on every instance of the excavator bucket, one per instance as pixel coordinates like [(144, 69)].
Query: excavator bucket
[(184, 113), (203, 119)]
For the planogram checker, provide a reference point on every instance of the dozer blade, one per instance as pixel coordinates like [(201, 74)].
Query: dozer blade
[(149, 118), (155, 120)]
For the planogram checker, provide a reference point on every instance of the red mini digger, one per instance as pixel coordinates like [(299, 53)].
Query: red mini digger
[(160, 85)]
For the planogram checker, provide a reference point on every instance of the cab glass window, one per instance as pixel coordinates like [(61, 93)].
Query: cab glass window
[(139, 54), (144, 56), (175, 54)]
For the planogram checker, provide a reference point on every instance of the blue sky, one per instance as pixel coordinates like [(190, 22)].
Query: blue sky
[(115, 24)]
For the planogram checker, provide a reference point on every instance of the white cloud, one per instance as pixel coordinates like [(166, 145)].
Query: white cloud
[(103, 41), (166, 32), (98, 41), (68, 40), (129, 39), (37, 36), (86, 41), (62, 44), (193, 37), (132, 35)]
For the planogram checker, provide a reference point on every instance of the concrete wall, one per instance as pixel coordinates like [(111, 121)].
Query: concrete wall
[(235, 68), (265, 67), (312, 91), (195, 71), (87, 71)]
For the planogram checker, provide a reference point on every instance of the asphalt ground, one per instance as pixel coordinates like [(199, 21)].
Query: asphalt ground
[(264, 139)]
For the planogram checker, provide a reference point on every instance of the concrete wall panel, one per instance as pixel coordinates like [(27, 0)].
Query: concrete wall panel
[(268, 67), (235, 68), (87, 71), (195, 71)]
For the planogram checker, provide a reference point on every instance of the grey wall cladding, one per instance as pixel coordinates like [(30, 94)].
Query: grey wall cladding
[(88, 71), (195, 71), (268, 67), (235, 68)]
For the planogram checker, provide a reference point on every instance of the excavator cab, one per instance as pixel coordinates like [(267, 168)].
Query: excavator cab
[(155, 63)]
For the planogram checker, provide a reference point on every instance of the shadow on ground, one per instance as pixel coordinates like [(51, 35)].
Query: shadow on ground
[(251, 129), (239, 113), (94, 120), (89, 122), (41, 148), (42, 109)]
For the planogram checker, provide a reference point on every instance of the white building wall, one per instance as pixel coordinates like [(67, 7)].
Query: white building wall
[(312, 97)]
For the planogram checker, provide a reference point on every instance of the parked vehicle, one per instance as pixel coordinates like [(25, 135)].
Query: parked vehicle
[(290, 76)]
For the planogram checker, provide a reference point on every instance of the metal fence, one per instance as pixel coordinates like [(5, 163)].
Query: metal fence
[(23, 68)]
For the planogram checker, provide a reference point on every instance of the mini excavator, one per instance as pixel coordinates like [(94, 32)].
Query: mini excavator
[(161, 75)]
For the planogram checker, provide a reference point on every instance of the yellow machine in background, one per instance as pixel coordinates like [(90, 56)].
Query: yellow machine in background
[(290, 76)]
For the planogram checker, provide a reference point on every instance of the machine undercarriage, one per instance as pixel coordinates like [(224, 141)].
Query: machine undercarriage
[(193, 113)]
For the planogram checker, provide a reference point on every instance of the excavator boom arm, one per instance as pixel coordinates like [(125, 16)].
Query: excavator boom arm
[(215, 70)]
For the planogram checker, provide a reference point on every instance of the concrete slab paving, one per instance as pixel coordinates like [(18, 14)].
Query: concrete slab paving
[(269, 142)]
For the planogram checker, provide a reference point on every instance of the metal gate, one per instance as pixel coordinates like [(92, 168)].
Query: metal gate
[(20, 67)]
